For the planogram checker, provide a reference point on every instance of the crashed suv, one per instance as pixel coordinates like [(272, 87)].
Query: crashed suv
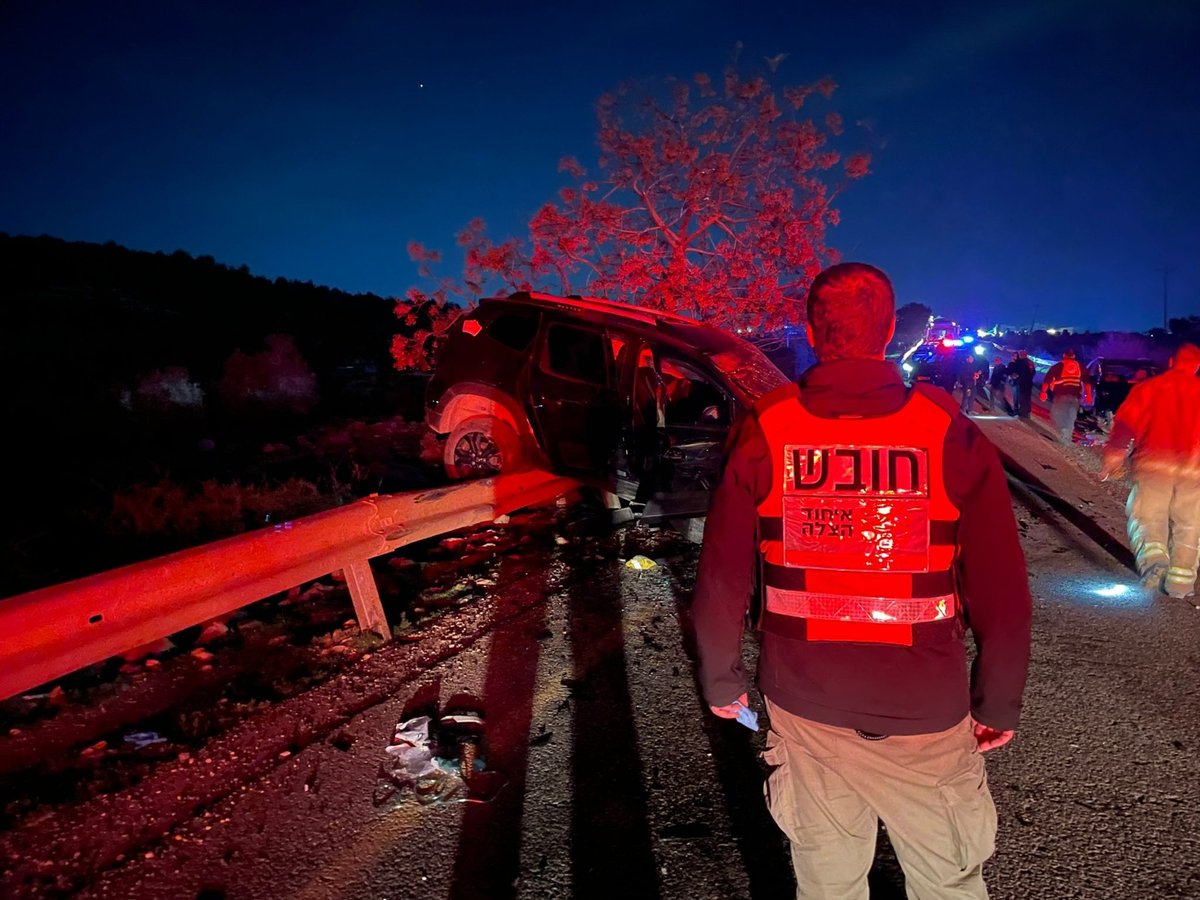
[(635, 402)]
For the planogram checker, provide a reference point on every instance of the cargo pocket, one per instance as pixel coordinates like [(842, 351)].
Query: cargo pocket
[(971, 813), (776, 787), (809, 801)]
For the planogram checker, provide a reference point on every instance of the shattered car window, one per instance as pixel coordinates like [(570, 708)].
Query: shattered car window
[(750, 371)]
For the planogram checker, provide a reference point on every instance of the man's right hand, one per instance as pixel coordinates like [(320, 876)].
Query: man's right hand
[(730, 711)]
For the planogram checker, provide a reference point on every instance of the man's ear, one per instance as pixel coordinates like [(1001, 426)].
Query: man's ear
[(891, 332), (812, 341)]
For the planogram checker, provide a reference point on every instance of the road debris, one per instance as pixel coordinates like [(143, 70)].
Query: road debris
[(640, 563), (140, 739), (437, 761)]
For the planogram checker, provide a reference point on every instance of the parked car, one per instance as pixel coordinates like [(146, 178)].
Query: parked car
[(635, 401), (1113, 378)]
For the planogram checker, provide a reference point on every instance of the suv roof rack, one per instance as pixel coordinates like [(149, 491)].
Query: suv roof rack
[(600, 304)]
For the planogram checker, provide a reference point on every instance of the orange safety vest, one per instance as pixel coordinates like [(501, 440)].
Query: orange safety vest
[(857, 538), (1072, 375)]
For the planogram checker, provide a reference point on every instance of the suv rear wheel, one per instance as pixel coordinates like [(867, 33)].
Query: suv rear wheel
[(481, 446)]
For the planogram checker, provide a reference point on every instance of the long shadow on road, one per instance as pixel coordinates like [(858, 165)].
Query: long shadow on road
[(488, 861), (611, 846)]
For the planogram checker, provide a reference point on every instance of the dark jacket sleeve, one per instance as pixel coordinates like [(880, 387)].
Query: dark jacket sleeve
[(1052, 376), (725, 577), (992, 577)]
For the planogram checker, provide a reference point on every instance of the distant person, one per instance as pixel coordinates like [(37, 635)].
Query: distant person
[(998, 387), (1011, 370), (874, 710), (1070, 386), (968, 379), (1159, 423), (1022, 372)]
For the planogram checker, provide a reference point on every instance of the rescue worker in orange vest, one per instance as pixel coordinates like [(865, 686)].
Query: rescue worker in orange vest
[(1159, 422), (878, 522), (1069, 384)]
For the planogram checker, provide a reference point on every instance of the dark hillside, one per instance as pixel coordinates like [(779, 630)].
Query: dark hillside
[(130, 311), (128, 375)]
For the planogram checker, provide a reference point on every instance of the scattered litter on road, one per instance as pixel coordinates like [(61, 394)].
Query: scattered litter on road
[(411, 748), (140, 739), (95, 750), (640, 563), (411, 769), (436, 762)]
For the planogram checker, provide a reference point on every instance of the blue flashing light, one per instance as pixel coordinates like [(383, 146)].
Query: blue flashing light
[(980, 349), (967, 339)]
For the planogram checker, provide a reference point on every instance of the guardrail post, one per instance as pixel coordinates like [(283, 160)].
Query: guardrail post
[(363, 591)]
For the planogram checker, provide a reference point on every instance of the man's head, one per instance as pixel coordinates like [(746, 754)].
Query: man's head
[(997, 361), (1187, 357), (1021, 354), (1068, 353), (851, 312)]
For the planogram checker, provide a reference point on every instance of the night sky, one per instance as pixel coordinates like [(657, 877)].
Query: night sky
[(1032, 160)]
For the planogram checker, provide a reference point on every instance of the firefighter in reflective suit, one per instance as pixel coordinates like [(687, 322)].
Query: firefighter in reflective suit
[(879, 525)]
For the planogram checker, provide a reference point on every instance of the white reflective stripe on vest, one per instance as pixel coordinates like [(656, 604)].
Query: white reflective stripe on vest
[(838, 607), (1072, 375)]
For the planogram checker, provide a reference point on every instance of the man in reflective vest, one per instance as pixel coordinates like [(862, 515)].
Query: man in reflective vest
[(1068, 383), (878, 523), (1159, 423)]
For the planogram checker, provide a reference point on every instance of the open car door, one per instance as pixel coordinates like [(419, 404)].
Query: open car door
[(697, 412)]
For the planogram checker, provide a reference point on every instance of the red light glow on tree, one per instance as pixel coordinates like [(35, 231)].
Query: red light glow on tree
[(708, 200)]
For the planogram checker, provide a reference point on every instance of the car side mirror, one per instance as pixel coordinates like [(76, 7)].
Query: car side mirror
[(711, 414)]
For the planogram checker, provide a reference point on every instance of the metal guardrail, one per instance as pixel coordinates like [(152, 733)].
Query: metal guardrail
[(60, 629)]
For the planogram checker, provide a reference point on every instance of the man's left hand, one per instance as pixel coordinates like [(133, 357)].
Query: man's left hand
[(989, 738)]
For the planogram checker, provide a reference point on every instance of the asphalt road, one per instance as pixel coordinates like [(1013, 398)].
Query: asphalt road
[(610, 777)]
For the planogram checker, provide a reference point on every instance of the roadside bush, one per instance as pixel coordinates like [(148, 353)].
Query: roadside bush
[(168, 389), (212, 510), (276, 380)]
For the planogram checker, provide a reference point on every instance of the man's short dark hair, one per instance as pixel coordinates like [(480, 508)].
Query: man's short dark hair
[(851, 308)]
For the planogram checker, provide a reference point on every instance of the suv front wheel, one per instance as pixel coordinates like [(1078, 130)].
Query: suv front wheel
[(482, 446)]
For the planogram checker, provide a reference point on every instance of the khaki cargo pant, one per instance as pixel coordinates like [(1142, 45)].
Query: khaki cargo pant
[(830, 786), (1164, 527)]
